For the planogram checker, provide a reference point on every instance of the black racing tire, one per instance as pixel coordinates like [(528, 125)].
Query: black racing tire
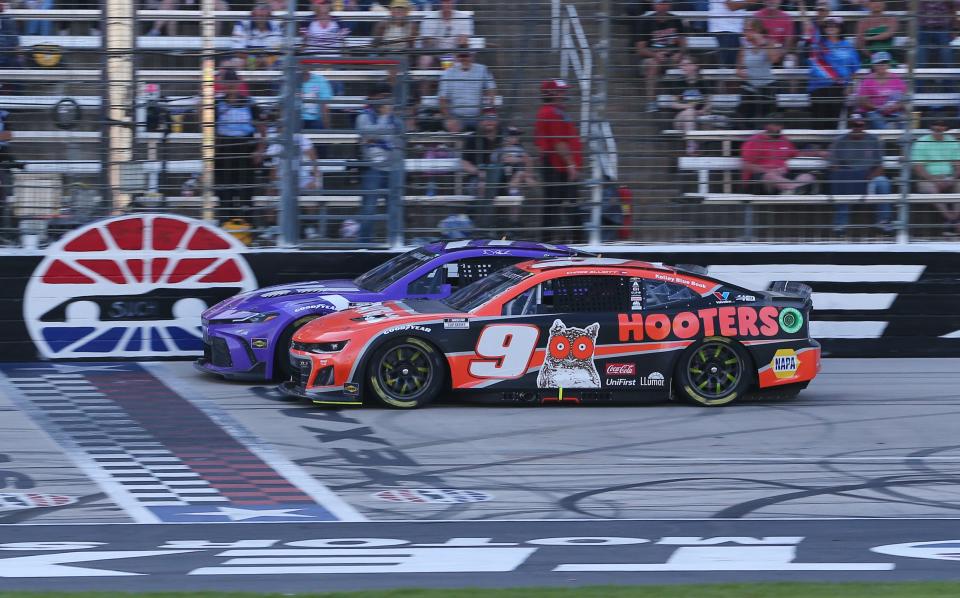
[(406, 373), (281, 354), (714, 372)]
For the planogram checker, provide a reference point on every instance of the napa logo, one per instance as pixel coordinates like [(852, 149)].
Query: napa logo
[(132, 286), (785, 363)]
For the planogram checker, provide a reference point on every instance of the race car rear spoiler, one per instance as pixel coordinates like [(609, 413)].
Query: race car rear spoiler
[(789, 287)]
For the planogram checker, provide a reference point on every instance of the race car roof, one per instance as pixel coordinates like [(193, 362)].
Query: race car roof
[(467, 244), (568, 262)]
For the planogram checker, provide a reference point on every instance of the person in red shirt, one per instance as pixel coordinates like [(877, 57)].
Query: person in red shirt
[(556, 136), (781, 30), (765, 158)]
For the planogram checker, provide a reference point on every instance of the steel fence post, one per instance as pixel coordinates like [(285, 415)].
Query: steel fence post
[(289, 173)]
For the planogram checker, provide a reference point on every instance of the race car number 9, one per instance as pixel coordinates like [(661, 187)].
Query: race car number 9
[(504, 350)]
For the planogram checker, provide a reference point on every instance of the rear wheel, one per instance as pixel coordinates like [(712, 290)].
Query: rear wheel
[(281, 356), (406, 373), (714, 372)]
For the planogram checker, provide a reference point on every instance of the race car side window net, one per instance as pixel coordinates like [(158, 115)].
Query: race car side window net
[(584, 294)]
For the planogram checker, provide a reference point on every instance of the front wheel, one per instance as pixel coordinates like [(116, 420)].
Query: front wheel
[(406, 373), (714, 372), (281, 356)]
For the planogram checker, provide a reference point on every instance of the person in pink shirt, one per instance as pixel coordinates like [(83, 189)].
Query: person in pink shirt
[(781, 30), (880, 94), (765, 160)]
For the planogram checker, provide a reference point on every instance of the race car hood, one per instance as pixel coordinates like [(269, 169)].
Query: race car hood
[(370, 318), (296, 298)]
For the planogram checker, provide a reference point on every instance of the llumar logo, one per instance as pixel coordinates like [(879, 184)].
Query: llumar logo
[(132, 286), (724, 321)]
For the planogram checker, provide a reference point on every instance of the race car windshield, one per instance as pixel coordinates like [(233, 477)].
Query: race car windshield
[(393, 270), (476, 294)]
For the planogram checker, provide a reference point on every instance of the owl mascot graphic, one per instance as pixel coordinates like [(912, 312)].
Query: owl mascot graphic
[(569, 359)]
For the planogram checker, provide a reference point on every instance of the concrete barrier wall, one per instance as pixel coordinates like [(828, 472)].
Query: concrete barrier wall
[(142, 281)]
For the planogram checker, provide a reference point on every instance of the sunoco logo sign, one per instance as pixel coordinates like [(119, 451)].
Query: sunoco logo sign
[(132, 286)]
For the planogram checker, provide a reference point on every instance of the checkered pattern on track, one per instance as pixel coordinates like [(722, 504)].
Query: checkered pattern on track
[(126, 452)]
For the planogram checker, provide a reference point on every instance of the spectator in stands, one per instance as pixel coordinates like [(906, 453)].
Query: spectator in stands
[(692, 101), (779, 26), (693, 108), (856, 168), (9, 39), (765, 159), (378, 127), (936, 23), (557, 138), (258, 39), (399, 32), (727, 19), (833, 63), (324, 35), (478, 153), (936, 164), (444, 30), (170, 27), (227, 79), (755, 69), (465, 89), (881, 94), (515, 163), (235, 149), (876, 32), (660, 45), (38, 27), (310, 179), (315, 91)]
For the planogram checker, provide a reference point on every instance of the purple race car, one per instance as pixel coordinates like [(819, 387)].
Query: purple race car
[(247, 337)]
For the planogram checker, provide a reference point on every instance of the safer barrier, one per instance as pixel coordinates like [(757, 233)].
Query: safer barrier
[(137, 285)]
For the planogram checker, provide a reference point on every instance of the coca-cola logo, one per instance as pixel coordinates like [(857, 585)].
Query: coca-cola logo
[(621, 369)]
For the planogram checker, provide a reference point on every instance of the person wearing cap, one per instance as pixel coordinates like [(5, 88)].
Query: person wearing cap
[(880, 94), (856, 168), (379, 128), (465, 89), (936, 166), (399, 32), (833, 63), (515, 163), (693, 108), (765, 160), (877, 31), (561, 158), (478, 152), (659, 43)]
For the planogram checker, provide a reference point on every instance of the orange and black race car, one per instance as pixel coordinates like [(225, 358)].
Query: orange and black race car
[(568, 330)]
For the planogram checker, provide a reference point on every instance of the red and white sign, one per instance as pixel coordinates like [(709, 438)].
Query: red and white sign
[(621, 369), (131, 287)]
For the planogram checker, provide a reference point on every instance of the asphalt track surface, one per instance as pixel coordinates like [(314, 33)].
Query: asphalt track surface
[(148, 476)]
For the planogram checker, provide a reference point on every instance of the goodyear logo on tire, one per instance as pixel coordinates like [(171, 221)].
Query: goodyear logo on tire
[(132, 286), (785, 363)]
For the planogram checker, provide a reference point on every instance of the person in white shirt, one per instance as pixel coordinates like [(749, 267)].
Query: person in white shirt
[(727, 19), (444, 29), (255, 38)]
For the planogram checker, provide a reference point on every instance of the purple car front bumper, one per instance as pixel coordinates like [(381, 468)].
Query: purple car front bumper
[(236, 357)]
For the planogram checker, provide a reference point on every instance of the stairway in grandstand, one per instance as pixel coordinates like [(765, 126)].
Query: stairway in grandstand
[(523, 58)]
